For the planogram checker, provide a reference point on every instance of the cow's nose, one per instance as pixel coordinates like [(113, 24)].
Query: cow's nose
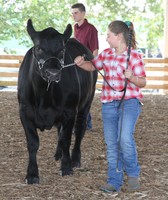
[(47, 72), (50, 72), (53, 74)]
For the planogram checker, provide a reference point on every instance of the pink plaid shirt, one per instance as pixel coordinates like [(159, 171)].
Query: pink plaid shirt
[(113, 66)]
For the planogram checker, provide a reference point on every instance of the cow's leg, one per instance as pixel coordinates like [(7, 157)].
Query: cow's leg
[(80, 128), (32, 138), (58, 154), (65, 141)]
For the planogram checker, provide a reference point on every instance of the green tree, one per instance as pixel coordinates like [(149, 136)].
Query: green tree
[(44, 13), (147, 16)]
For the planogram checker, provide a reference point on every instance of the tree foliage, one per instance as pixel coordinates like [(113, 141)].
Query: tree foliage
[(147, 16)]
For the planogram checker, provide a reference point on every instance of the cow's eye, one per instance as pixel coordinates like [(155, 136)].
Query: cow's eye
[(38, 49)]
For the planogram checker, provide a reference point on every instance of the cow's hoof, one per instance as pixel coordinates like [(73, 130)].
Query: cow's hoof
[(66, 172), (32, 180)]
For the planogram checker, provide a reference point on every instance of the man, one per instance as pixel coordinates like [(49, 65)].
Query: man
[(86, 34)]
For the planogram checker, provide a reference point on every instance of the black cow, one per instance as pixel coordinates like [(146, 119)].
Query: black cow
[(52, 91)]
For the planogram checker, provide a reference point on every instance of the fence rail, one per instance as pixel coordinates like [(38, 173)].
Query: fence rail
[(156, 70), (9, 67)]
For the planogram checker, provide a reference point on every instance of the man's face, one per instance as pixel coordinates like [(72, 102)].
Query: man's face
[(77, 14)]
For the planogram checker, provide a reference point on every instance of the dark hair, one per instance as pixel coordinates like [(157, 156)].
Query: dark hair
[(118, 26), (80, 6)]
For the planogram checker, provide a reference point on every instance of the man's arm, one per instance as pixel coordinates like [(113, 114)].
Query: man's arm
[(95, 52)]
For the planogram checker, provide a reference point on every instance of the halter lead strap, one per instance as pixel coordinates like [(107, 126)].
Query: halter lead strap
[(126, 81), (128, 23)]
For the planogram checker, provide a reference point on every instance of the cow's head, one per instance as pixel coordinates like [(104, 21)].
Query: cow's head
[(49, 50)]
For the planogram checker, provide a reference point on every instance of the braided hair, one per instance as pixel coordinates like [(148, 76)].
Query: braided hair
[(127, 29)]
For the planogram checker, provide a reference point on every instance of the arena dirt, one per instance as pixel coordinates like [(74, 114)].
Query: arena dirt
[(152, 143)]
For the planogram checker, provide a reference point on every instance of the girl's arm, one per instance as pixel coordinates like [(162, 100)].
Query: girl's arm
[(136, 80), (86, 65)]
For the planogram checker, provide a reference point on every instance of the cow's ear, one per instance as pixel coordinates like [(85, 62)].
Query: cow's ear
[(68, 32), (30, 29)]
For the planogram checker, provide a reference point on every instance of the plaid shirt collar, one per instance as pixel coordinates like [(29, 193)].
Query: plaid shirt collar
[(113, 52)]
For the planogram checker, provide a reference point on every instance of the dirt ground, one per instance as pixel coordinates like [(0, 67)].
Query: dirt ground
[(152, 142)]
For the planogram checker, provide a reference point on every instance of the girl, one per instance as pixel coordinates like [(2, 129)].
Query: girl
[(121, 62)]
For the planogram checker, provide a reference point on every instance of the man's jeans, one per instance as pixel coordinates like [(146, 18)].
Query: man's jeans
[(127, 159), (89, 122)]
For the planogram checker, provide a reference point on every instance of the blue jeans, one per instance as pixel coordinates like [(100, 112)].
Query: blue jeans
[(121, 146), (89, 122)]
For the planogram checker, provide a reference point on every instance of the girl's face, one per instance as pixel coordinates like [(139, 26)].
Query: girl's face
[(113, 39)]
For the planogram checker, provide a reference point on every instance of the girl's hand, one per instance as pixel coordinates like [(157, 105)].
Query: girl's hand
[(128, 74), (79, 60)]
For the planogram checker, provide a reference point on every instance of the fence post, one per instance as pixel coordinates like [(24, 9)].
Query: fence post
[(165, 52)]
